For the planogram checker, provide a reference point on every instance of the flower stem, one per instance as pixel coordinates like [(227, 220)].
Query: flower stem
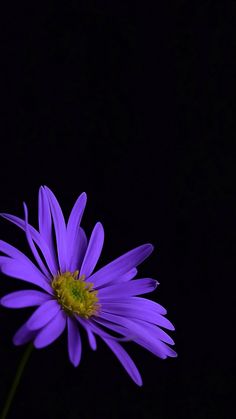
[(16, 381)]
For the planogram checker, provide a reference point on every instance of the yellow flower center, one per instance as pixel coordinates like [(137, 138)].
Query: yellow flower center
[(75, 295)]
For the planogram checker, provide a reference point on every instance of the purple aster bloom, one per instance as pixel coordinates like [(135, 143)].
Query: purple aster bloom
[(106, 302)]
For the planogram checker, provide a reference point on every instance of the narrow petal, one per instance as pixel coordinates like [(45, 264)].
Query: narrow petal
[(139, 333), (45, 222), (14, 253), (91, 336), (122, 265), (23, 335), (138, 312), (44, 214), (26, 298), (126, 289), (93, 251), (128, 276), (74, 342), (73, 227), (26, 272), (51, 331), (33, 247), (96, 328), (3, 260), (137, 302), (156, 332), (43, 315), (125, 360), (91, 339), (123, 278), (78, 251), (123, 331), (48, 253), (157, 347), (60, 229)]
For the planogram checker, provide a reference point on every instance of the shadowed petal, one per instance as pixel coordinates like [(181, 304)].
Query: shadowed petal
[(43, 315), (121, 266), (73, 226), (74, 342), (26, 298), (26, 272), (49, 254), (93, 251), (23, 335), (125, 360), (51, 331), (126, 289), (78, 252), (60, 229)]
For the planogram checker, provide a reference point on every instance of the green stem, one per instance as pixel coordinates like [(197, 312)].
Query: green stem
[(16, 381)]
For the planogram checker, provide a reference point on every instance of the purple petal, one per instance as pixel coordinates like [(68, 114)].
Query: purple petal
[(74, 342), (158, 347), (156, 332), (91, 337), (114, 327), (45, 221), (128, 276), (123, 278), (95, 328), (125, 360), (26, 298), (3, 260), (33, 247), (60, 229), (48, 253), (138, 312), (43, 315), (73, 227), (140, 334), (78, 251), (23, 335), (93, 251), (51, 331), (121, 266), (137, 302), (14, 253), (126, 289), (26, 272)]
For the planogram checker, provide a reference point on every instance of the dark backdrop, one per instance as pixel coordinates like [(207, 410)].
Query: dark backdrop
[(131, 106)]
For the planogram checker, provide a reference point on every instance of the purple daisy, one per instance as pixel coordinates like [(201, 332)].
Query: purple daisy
[(105, 303)]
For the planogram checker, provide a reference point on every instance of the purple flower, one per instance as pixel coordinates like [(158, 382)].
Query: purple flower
[(105, 303)]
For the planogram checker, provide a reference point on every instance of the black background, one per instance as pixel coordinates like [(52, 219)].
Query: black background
[(133, 106)]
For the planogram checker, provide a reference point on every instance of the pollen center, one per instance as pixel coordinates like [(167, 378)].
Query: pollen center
[(75, 295)]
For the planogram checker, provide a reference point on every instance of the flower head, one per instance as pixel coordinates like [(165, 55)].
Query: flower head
[(105, 303)]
